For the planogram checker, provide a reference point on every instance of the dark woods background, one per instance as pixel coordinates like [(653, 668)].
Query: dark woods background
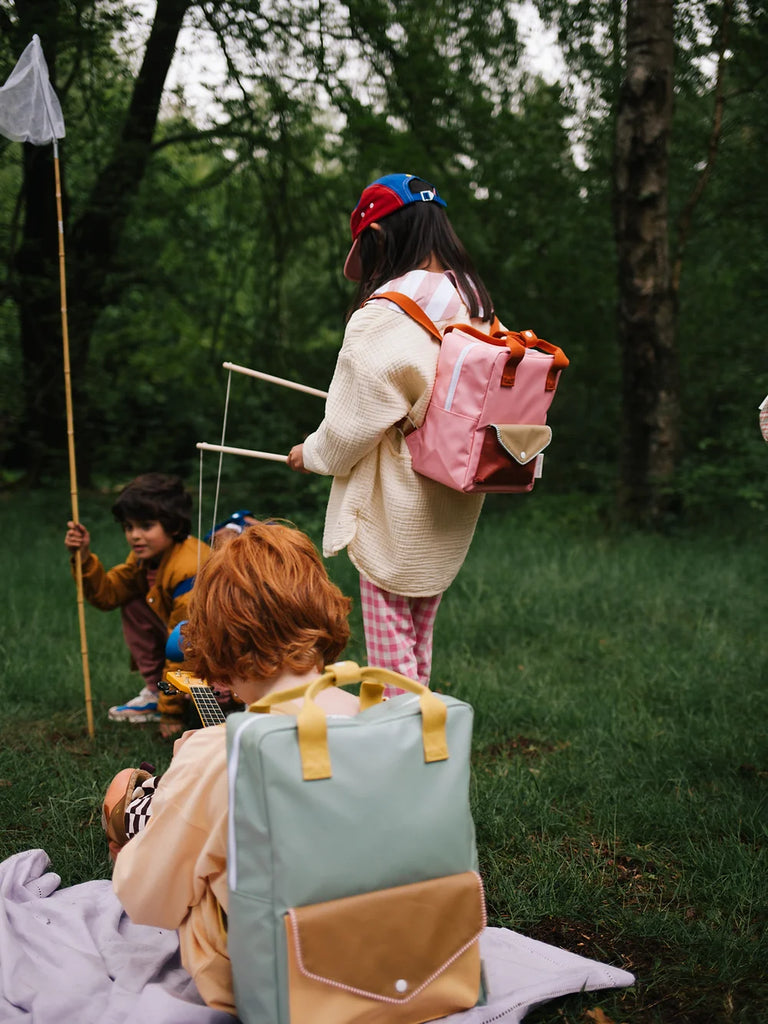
[(621, 213)]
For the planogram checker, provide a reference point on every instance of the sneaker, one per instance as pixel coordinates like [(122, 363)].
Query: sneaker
[(141, 709)]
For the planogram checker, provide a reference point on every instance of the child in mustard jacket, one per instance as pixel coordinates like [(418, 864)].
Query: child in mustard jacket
[(151, 588)]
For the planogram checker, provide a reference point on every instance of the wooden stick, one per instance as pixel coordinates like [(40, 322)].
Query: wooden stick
[(275, 380), (71, 446), (203, 446)]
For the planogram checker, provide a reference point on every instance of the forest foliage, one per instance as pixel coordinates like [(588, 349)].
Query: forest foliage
[(232, 247)]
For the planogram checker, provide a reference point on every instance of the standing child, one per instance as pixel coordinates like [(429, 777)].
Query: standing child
[(406, 535), (263, 617), (151, 588)]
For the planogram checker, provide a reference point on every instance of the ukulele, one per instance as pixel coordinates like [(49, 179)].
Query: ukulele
[(209, 709)]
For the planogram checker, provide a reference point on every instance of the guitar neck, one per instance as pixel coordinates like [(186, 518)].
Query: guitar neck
[(207, 706), (202, 695)]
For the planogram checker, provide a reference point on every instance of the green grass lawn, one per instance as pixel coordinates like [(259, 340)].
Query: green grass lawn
[(620, 771)]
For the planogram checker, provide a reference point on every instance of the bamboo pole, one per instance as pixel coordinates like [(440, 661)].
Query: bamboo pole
[(204, 447), (71, 445), (275, 380)]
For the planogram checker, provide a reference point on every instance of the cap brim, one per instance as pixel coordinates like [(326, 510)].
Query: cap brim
[(352, 267)]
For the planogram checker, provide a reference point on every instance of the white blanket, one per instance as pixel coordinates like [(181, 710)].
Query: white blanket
[(72, 956)]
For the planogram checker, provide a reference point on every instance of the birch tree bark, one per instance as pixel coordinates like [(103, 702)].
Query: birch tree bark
[(650, 442)]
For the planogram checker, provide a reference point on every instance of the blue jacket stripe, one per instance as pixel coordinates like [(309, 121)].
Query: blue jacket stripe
[(183, 588)]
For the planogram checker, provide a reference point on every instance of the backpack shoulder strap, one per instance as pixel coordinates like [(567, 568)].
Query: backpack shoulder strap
[(414, 311)]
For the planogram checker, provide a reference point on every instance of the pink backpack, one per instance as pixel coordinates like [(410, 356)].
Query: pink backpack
[(485, 427)]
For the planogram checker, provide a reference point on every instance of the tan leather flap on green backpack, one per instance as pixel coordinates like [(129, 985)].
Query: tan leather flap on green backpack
[(391, 944)]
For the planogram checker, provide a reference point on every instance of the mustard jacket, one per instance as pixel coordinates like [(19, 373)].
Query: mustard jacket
[(168, 597)]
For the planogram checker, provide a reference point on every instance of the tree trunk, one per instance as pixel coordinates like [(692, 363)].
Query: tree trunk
[(36, 289), (646, 308), (96, 235), (91, 247)]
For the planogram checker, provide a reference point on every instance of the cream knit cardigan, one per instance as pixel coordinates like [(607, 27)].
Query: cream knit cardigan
[(405, 533)]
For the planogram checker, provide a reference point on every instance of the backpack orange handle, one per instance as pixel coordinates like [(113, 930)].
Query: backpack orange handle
[(527, 339), (516, 341)]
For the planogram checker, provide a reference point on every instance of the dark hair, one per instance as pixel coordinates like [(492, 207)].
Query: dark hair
[(155, 496), (406, 239)]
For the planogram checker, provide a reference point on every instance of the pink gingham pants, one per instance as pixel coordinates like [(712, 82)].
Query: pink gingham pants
[(398, 632)]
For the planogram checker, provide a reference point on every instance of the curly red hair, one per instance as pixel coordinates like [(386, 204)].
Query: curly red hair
[(263, 604)]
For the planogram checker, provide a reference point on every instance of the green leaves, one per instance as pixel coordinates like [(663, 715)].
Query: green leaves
[(232, 244)]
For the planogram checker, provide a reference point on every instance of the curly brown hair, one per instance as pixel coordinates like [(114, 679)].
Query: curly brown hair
[(263, 604), (156, 496)]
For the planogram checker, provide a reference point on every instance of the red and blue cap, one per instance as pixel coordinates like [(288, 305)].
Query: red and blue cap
[(379, 199)]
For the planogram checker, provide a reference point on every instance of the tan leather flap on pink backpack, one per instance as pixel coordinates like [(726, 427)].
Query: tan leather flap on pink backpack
[(523, 441)]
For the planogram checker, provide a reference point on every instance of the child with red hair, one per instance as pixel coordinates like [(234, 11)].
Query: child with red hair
[(264, 616)]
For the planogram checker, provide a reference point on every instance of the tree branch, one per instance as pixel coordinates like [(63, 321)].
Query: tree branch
[(95, 236)]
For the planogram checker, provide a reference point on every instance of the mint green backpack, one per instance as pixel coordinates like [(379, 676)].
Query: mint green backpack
[(353, 886)]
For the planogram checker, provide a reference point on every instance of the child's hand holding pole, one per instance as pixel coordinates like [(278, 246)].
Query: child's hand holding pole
[(77, 539)]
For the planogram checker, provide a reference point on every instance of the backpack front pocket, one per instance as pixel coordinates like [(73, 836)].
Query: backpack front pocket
[(403, 955), (511, 455)]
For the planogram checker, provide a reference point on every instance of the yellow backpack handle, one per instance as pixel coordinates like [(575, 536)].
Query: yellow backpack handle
[(341, 673), (311, 722), (312, 726)]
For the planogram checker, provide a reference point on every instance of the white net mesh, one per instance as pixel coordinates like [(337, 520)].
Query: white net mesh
[(29, 108)]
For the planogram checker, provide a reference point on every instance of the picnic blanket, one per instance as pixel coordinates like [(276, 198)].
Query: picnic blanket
[(73, 955)]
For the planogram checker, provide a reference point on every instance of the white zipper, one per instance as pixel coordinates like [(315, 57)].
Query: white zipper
[(455, 375)]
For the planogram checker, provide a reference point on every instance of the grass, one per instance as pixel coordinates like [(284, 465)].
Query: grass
[(620, 766)]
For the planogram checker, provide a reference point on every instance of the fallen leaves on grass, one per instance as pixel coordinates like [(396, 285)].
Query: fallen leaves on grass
[(598, 1016)]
